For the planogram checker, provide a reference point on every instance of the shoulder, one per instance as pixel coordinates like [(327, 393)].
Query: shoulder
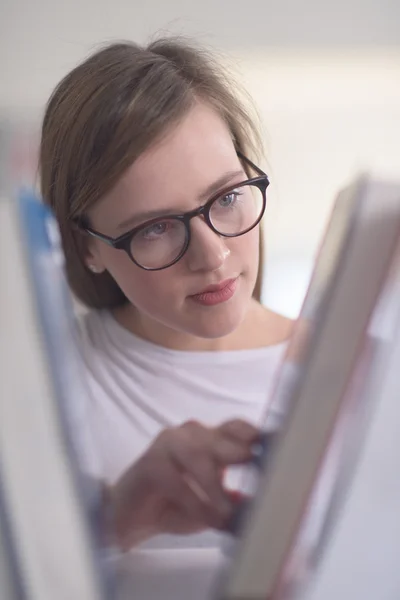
[(91, 327), (96, 343), (85, 320), (100, 334)]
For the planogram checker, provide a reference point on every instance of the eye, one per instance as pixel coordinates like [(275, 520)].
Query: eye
[(229, 199), (156, 230)]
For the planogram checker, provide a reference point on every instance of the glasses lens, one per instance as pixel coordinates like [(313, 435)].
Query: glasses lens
[(159, 244), (238, 210)]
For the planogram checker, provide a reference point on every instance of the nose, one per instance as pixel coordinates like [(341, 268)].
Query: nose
[(207, 250)]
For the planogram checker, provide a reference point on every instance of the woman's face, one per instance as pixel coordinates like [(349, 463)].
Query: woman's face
[(180, 173)]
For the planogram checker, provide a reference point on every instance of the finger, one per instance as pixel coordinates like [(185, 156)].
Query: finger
[(206, 481), (194, 502), (234, 442), (167, 505), (239, 430), (177, 489), (230, 452), (208, 512), (191, 450)]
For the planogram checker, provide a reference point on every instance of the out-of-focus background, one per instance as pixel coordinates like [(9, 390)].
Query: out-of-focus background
[(325, 78)]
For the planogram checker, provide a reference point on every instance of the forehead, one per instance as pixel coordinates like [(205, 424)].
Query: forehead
[(176, 170)]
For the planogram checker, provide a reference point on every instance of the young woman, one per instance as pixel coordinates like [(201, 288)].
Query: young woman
[(147, 161)]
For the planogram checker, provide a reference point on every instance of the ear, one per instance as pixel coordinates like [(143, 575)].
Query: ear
[(93, 260), (94, 269)]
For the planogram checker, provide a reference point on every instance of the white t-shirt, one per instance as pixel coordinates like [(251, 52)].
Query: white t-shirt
[(136, 389)]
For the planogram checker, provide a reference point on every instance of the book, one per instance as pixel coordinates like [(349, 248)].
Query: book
[(11, 588), (51, 515), (331, 379)]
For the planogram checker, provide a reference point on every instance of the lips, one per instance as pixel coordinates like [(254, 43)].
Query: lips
[(217, 287), (216, 293)]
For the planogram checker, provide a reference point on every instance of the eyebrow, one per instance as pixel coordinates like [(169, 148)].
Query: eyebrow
[(212, 189)]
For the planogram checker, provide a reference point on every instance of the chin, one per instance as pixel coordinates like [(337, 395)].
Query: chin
[(217, 322)]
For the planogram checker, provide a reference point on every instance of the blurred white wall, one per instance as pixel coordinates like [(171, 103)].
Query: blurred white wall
[(324, 76), (327, 116)]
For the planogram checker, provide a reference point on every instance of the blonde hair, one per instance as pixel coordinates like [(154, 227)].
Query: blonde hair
[(104, 114)]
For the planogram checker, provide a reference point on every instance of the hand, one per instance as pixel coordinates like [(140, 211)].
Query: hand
[(176, 485)]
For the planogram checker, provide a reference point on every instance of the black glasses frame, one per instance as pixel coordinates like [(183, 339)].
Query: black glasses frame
[(123, 242)]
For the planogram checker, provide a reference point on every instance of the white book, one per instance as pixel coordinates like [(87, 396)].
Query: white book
[(50, 512), (331, 377)]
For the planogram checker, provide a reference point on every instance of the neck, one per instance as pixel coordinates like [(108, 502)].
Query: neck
[(260, 327)]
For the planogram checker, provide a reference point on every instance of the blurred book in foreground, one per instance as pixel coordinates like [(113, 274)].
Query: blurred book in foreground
[(332, 378), (50, 513)]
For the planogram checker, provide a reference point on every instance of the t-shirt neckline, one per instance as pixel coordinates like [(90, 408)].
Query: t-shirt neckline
[(131, 340)]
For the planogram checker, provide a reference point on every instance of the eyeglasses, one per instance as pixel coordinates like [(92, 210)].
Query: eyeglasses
[(159, 243)]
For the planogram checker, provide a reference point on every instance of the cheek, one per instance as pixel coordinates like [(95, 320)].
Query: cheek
[(246, 250), (142, 288)]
